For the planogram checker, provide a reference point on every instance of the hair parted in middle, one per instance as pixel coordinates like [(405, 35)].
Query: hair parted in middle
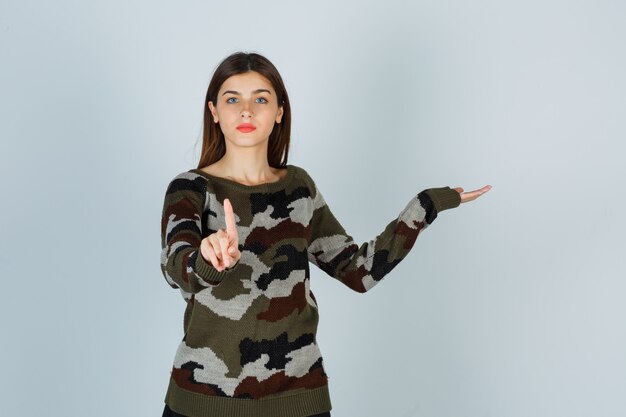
[(213, 141)]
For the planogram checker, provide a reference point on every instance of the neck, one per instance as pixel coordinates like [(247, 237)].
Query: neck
[(246, 165)]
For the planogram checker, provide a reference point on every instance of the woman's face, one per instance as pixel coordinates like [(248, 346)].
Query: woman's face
[(246, 98)]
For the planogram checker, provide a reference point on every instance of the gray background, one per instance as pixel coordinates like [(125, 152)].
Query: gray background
[(511, 305)]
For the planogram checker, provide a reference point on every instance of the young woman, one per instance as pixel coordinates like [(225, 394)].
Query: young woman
[(238, 234)]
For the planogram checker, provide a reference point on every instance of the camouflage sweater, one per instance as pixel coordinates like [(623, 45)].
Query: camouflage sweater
[(249, 347)]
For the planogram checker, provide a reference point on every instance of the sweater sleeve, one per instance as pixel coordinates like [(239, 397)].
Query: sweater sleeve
[(361, 267), (182, 264)]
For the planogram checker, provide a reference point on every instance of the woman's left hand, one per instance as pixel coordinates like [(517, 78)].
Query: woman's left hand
[(472, 195)]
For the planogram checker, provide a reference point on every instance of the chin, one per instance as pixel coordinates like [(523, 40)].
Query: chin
[(247, 141)]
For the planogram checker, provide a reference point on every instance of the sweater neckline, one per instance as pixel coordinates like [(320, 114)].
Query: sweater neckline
[(267, 186)]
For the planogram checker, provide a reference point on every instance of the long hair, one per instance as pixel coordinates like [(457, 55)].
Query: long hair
[(213, 142)]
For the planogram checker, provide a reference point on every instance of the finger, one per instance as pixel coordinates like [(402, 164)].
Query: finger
[(215, 245), (231, 230), (467, 197), (213, 258), (224, 248), (204, 251), (481, 191), (214, 261), (473, 195)]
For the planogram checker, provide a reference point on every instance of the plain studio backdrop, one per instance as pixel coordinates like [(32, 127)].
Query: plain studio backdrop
[(511, 305)]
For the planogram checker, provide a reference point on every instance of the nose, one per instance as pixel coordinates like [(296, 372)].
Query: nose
[(245, 110)]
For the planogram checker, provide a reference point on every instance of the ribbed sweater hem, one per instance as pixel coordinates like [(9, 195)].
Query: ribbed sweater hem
[(296, 403)]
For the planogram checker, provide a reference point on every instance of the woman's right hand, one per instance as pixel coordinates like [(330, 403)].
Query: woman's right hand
[(221, 248)]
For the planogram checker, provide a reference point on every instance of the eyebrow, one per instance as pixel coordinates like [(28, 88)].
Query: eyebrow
[(258, 90)]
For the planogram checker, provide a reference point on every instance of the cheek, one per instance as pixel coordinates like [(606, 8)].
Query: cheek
[(269, 113), (227, 113)]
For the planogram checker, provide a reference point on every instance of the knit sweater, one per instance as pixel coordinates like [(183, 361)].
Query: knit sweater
[(249, 347)]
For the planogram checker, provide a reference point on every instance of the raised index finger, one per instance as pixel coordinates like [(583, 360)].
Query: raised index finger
[(231, 230)]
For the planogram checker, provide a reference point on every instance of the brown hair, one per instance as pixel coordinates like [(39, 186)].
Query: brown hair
[(213, 142)]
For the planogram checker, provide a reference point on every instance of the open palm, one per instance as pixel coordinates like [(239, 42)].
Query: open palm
[(472, 195)]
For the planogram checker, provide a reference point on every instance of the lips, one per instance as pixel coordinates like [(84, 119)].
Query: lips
[(246, 127)]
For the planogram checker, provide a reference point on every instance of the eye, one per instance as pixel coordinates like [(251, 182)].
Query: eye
[(263, 98), (231, 98)]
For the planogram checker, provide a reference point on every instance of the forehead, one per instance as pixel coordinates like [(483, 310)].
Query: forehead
[(246, 82)]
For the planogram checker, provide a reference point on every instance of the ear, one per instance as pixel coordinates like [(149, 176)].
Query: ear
[(279, 115), (213, 111)]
